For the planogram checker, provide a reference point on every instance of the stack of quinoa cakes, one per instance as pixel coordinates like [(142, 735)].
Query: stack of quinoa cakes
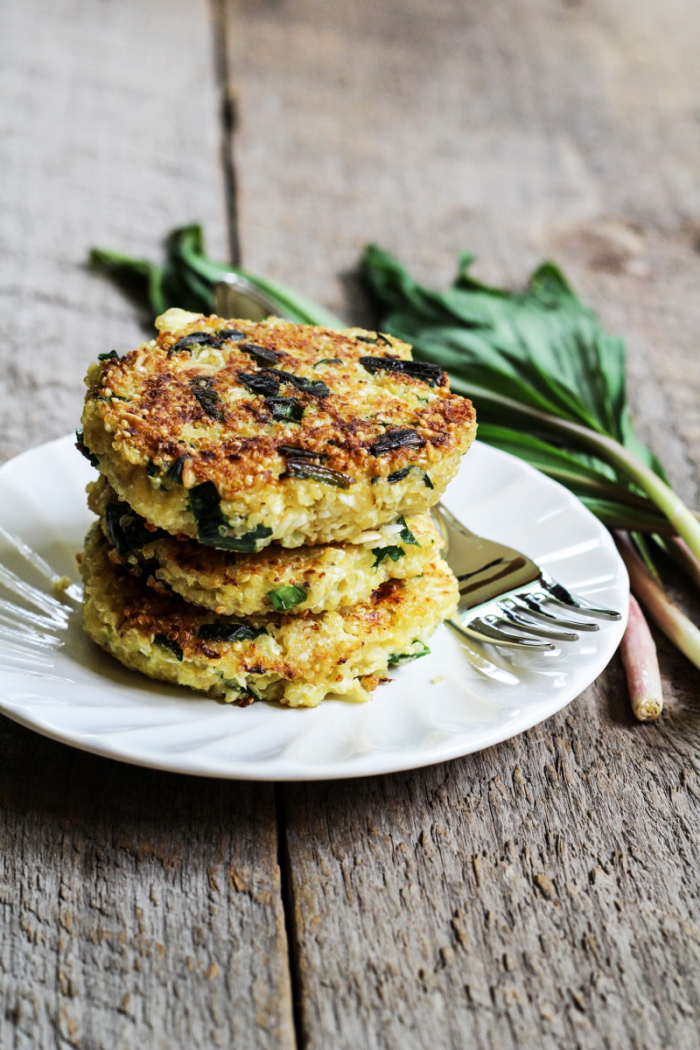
[(262, 507)]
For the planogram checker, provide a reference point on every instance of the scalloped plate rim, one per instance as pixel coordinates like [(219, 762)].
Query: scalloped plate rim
[(371, 762)]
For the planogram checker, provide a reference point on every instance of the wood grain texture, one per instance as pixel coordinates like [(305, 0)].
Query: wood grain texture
[(141, 909), (543, 893), (109, 135), (515, 130), (138, 909)]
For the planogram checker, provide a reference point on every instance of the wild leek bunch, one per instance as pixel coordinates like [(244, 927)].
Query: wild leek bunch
[(549, 387)]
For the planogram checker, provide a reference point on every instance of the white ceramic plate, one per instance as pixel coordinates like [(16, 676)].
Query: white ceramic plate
[(437, 708)]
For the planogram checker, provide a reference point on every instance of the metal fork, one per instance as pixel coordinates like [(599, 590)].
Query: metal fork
[(505, 599), (33, 622), (236, 296)]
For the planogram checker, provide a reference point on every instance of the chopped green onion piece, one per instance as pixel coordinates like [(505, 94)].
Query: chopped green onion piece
[(167, 643), (262, 355), (307, 386), (82, 448), (300, 453), (196, 339), (127, 530), (315, 472), (207, 398), (406, 534), (174, 472), (422, 370), (399, 475), (284, 598), (213, 530), (328, 361), (380, 553), (229, 632), (244, 701), (396, 659), (286, 409)]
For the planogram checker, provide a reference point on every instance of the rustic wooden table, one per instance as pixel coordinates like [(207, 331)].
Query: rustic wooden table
[(543, 893)]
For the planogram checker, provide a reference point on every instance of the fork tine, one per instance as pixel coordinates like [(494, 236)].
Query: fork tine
[(484, 631), (574, 601), (478, 659), (505, 599), (30, 637), (534, 605), (532, 625)]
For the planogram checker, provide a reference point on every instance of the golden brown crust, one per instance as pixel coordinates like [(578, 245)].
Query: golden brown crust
[(159, 405), (331, 575), (295, 659)]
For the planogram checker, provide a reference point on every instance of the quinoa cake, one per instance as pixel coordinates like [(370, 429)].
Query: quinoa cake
[(312, 579), (294, 659), (239, 434)]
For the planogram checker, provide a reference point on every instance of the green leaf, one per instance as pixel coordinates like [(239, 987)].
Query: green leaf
[(541, 348), (419, 649), (213, 530), (538, 360), (229, 631), (302, 469), (174, 471), (188, 277), (400, 475), (584, 474), (622, 516), (167, 643), (285, 409), (284, 598), (137, 277), (406, 534), (380, 553), (127, 530), (82, 448)]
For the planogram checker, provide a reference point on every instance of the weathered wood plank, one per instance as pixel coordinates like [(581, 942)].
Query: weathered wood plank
[(139, 909), (110, 135), (540, 894), (543, 893), (514, 130)]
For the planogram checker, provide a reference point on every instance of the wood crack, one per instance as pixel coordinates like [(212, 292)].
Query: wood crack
[(287, 895), (228, 127)]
